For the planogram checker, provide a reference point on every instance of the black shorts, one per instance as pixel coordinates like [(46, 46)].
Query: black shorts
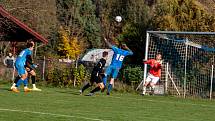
[(96, 78), (29, 69)]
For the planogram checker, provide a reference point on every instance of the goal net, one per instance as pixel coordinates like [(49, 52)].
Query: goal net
[(188, 58)]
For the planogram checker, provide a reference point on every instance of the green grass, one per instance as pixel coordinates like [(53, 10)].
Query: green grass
[(55, 104)]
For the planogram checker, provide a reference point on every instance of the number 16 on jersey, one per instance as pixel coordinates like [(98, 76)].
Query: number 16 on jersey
[(119, 57)]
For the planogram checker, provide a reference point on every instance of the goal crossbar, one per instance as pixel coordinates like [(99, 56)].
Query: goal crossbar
[(187, 42), (181, 32)]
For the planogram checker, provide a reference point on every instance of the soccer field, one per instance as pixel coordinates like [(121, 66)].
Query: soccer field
[(55, 104)]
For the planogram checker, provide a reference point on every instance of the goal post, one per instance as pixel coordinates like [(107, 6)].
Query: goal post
[(190, 56)]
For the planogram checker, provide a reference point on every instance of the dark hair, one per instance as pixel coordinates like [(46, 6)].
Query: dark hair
[(104, 54), (120, 44), (158, 54), (30, 44)]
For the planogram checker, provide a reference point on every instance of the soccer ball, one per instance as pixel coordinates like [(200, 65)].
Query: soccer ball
[(118, 18)]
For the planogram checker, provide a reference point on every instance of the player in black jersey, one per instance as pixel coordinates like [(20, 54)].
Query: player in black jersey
[(97, 75)]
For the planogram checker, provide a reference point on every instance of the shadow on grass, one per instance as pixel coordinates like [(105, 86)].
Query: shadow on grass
[(68, 92), (5, 88)]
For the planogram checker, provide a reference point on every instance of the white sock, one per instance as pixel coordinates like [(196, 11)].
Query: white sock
[(34, 85), (144, 90), (13, 86), (25, 87)]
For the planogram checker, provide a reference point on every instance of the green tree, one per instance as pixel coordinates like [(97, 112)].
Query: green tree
[(79, 16), (135, 18)]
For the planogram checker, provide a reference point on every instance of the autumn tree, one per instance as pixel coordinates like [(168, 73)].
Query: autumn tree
[(182, 15), (70, 46)]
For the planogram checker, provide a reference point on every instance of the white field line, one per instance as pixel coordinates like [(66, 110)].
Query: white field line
[(116, 97), (93, 119), (52, 114)]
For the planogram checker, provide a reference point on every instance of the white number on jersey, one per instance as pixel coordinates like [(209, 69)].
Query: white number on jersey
[(120, 57)]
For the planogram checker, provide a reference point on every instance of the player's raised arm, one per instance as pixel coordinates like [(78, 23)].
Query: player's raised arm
[(146, 61), (126, 47), (108, 43)]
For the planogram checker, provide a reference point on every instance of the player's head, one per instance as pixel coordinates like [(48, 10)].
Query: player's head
[(158, 56), (30, 45), (105, 54), (122, 45)]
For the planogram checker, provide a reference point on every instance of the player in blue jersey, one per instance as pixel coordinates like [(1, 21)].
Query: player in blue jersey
[(30, 68), (20, 67), (116, 64)]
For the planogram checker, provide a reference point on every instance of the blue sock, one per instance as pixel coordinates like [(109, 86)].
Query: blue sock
[(19, 82), (109, 88), (105, 80), (25, 82)]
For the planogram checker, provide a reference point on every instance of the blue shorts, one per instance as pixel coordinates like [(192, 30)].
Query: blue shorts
[(113, 71), (20, 67)]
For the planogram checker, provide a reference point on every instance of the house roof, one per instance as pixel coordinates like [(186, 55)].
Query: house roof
[(20, 31)]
